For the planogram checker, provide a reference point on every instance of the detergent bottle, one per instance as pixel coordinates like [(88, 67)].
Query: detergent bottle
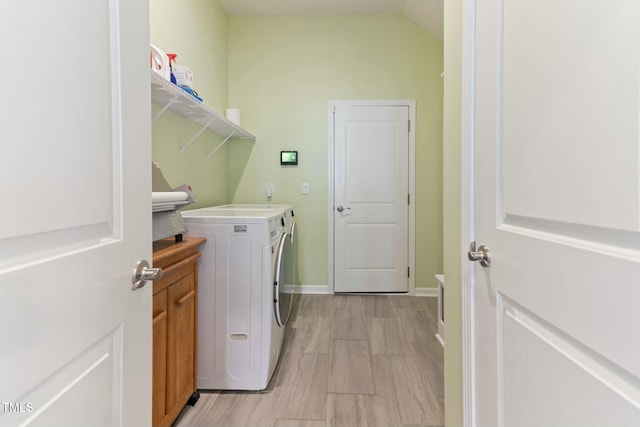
[(172, 60), (159, 63)]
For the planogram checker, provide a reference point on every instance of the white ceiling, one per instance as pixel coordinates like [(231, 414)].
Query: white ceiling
[(426, 13)]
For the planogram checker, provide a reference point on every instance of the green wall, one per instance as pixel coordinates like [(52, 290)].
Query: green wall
[(452, 211), (283, 71), (197, 31)]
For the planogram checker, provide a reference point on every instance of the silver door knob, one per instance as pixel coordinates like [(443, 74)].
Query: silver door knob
[(482, 254), (341, 208), (142, 272)]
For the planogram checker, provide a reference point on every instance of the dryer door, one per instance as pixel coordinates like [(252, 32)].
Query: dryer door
[(283, 280)]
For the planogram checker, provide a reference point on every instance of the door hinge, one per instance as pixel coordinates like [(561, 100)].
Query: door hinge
[(408, 199), (408, 271), (409, 128)]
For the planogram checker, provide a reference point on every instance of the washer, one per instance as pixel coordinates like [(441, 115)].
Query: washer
[(289, 214), (287, 275), (240, 323)]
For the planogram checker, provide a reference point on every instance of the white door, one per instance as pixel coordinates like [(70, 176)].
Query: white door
[(75, 173), (558, 204), (371, 191)]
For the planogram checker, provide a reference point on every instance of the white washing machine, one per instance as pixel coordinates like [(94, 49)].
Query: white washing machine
[(289, 273), (242, 272), (289, 214)]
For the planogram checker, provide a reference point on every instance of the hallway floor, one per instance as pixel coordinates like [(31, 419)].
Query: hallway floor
[(348, 360)]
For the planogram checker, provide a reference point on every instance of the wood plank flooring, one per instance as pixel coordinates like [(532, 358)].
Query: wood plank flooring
[(348, 360)]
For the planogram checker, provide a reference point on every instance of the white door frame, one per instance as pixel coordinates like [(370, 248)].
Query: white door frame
[(467, 206), (412, 183)]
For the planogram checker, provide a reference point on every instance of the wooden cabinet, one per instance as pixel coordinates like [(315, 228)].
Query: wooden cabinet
[(175, 316)]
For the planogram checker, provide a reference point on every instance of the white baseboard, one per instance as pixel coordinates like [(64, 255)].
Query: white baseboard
[(427, 292), (310, 289), (440, 340), (323, 290)]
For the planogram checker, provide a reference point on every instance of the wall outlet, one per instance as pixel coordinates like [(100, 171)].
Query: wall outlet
[(305, 188), (269, 189)]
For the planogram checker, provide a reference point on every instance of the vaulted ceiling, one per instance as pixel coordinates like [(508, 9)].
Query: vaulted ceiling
[(426, 13)]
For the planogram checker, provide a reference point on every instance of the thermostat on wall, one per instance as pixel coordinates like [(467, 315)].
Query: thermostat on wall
[(288, 158)]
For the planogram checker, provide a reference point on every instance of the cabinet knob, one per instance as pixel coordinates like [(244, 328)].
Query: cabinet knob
[(142, 272)]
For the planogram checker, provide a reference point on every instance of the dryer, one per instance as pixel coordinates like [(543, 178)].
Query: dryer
[(240, 326)]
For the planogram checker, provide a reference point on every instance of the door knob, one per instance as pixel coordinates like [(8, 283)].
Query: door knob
[(142, 272), (341, 208), (482, 254)]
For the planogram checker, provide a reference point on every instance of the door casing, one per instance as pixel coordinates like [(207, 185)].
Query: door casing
[(467, 207), (411, 104)]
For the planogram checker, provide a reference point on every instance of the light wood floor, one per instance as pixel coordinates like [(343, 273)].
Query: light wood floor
[(348, 360)]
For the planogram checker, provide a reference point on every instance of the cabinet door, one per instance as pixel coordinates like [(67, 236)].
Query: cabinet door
[(160, 325), (181, 341)]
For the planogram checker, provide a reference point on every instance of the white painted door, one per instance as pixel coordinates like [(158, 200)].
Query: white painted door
[(558, 204), (75, 173), (371, 189)]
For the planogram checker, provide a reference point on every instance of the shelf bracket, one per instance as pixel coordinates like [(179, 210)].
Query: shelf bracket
[(165, 108), (221, 144), (184, 147)]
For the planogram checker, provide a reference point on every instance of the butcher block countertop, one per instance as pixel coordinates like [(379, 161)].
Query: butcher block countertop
[(167, 251), (173, 257)]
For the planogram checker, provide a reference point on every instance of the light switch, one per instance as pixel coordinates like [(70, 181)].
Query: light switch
[(305, 188)]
